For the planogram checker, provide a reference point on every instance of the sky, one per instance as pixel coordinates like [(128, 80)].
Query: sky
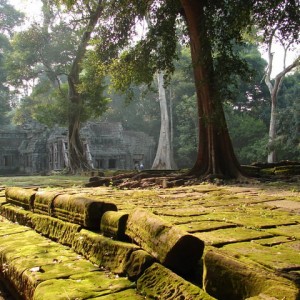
[(32, 10)]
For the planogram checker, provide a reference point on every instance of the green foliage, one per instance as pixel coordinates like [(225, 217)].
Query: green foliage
[(288, 139), (45, 105), (9, 17), (186, 132), (35, 52), (248, 134), (280, 15), (4, 90), (91, 87), (141, 113), (44, 54)]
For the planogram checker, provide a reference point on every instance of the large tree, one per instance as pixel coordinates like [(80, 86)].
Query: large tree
[(274, 87), (156, 51), (9, 19), (213, 29), (58, 49), (279, 22)]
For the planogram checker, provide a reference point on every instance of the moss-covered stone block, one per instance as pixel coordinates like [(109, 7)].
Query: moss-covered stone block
[(2, 201), (89, 285), (170, 245), (28, 259), (55, 229), (129, 294), (292, 231), (17, 214), (32, 277), (279, 257), (103, 251), (231, 235), (193, 227), (138, 262), (251, 170), (113, 224), (43, 202), (7, 228), (158, 282), (228, 277), (287, 170), (79, 210), (20, 197), (258, 217)]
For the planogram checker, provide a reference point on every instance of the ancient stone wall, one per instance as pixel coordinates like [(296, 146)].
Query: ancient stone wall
[(35, 149)]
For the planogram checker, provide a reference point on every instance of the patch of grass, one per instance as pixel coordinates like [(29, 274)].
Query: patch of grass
[(44, 181)]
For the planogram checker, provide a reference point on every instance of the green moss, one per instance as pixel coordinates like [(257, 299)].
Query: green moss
[(205, 226), (229, 277), (64, 232), (103, 251), (230, 235), (293, 231), (16, 214), (6, 229), (129, 294), (159, 282), (82, 286), (277, 257)]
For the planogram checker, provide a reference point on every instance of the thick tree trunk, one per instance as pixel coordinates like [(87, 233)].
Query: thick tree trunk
[(272, 133), (163, 154), (215, 152), (77, 158), (274, 88)]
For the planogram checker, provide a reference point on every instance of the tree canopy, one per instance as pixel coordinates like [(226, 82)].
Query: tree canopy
[(9, 19), (107, 36)]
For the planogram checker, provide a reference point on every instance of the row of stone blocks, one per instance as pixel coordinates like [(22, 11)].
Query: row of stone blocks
[(142, 247), (138, 245)]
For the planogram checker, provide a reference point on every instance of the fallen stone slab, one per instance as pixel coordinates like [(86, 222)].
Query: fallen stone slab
[(234, 278), (55, 229), (27, 259), (20, 196), (80, 210), (222, 237), (16, 214), (129, 294), (6, 230), (98, 181), (138, 262), (43, 203), (194, 227), (281, 257), (258, 217), (2, 200), (172, 247), (113, 224), (292, 231), (39, 268), (158, 282), (104, 252), (92, 285)]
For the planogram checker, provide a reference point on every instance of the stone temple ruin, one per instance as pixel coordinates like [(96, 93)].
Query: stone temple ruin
[(36, 149)]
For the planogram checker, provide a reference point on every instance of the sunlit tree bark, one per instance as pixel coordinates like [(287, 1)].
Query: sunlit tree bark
[(215, 152), (163, 154), (274, 88)]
